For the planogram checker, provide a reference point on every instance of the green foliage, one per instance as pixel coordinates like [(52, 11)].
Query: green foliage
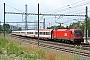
[(14, 48), (11, 47), (3, 43), (82, 28), (1, 52), (19, 28), (57, 27), (7, 26), (8, 31), (89, 27)]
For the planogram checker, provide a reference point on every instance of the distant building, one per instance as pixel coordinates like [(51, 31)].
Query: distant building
[(13, 27), (78, 23)]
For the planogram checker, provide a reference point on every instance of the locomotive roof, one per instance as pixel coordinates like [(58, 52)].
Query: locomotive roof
[(67, 29)]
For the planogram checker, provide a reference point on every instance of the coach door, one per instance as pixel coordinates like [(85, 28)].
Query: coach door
[(71, 35)]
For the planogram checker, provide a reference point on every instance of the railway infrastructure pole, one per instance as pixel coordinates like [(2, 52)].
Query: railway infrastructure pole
[(86, 16), (26, 26), (38, 24), (44, 24), (4, 20)]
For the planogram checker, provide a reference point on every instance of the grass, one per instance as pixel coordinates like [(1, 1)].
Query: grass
[(11, 50)]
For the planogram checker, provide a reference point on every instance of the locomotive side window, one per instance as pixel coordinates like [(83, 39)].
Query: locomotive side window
[(78, 32)]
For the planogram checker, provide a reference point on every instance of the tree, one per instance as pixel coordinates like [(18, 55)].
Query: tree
[(71, 26), (19, 28), (7, 26), (55, 27), (89, 27)]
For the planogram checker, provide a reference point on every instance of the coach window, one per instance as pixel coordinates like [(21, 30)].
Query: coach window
[(44, 33), (41, 33), (31, 32), (28, 32), (21, 32), (36, 32), (48, 33)]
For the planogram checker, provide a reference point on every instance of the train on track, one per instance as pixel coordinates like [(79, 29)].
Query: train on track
[(67, 35)]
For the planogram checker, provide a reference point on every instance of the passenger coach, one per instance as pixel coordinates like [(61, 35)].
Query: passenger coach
[(44, 33)]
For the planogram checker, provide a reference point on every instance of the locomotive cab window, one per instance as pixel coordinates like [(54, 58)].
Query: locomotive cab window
[(78, 32)]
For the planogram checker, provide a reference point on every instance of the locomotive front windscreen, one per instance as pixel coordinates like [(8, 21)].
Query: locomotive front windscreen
[(78, 32)]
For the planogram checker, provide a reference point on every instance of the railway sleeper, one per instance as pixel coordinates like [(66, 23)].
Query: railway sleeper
[(86, 54), (62, 49), (66, 50)]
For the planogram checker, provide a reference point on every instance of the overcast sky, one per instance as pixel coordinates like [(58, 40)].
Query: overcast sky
[(46, 6)]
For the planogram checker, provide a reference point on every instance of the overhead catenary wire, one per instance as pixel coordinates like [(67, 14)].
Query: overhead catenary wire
[(77, 4), (63, 10), (75, 11), (81, 4), (65, 6), (46, 14), (13, 7), (68, 6)]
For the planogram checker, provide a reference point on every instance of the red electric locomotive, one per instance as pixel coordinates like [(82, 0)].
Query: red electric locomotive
[(70, 35), (67, 35)]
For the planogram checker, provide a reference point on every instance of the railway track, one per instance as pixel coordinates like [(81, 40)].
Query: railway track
[(83, 49)]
